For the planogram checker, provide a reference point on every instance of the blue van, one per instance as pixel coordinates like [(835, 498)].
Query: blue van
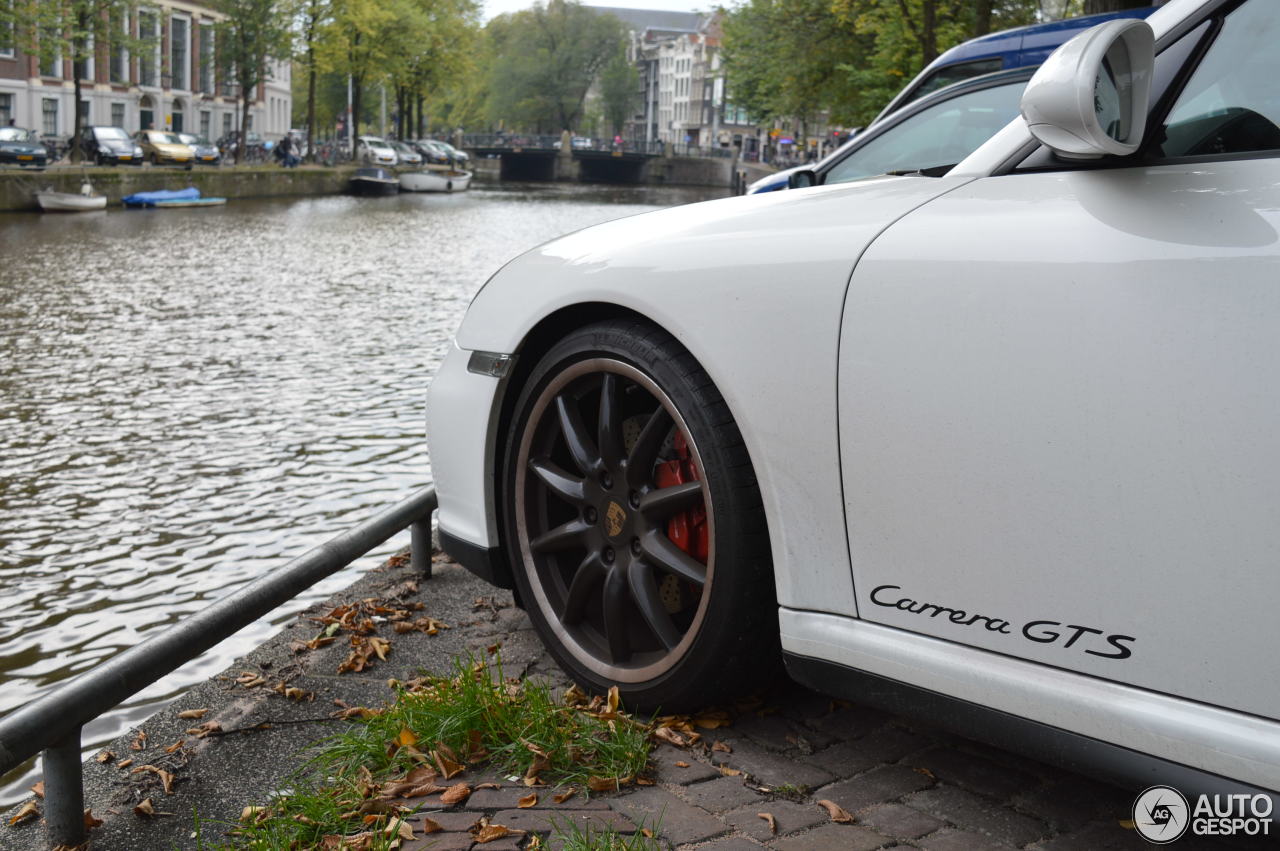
[(1017, 48)]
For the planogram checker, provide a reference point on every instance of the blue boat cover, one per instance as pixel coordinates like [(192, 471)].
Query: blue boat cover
[(148, 199)]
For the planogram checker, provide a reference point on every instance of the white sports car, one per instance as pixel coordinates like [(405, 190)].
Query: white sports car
[(1000, 446)]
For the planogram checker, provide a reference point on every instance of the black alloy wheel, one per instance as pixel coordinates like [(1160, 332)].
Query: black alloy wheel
[(634, 522)]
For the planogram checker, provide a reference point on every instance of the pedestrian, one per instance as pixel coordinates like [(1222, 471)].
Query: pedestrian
[(287, 159)]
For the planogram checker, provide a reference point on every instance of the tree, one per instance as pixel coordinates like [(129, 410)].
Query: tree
[(310, 19), (545, 59), (619, 88), (252, 33), (70, 30)]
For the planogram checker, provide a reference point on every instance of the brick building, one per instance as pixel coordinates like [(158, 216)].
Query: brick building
[(173, 84)]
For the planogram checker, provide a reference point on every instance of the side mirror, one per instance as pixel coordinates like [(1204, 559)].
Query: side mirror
[(801, 179), (1089, 98)]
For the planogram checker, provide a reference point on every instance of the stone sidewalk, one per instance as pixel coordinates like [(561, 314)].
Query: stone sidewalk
[(753, 784)]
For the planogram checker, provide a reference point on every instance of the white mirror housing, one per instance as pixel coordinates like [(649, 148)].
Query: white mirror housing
[(1089, 98)]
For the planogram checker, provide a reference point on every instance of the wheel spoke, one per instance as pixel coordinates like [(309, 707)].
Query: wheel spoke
[(645, 452), (563, 484), (662, 503), (575, 436), (562, 537), (644, 589), (615, 614), (659, 549), (586, 578), (611, 448)]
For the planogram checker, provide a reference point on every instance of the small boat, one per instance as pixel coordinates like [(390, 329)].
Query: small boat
[(71, 202), (435, 181), (374, 181), (171, 198)]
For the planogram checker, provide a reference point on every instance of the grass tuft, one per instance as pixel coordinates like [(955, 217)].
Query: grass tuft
[(476, 717)]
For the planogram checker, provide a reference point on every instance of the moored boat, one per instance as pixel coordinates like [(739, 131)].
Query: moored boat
[(83, 201), (435, 181), (171, 198), (374, 181)]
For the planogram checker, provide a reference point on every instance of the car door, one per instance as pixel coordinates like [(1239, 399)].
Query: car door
[(1059, 400)]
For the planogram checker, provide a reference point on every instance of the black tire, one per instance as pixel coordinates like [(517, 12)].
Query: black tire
[(589, 528)]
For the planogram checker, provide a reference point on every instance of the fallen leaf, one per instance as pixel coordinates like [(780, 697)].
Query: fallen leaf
[(105, 756), (145, 809), (647, 832), (430, 825), (644, 781), (249, 679), (455, 794), (90, 822), (712, 720), (682, 764), (38, 789), (194, 714), (602, 784), (494, 648), (380, 646), (541, 762), (837, 812), (124, 763), (166, 779), (205, 729), (492, 832), (406, 737), (927, 773), (530, 800), (448, 768), (729, 772), (671, 737), (480, 786), (29, 810), (140, 742), (772, 822), (535, 843), (721, 747), (175, 746), (400, 829), (614, 700), (561, 797)]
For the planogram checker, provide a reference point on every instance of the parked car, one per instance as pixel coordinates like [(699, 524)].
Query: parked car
[(160, 147), (432, 151), (930, 135), (371, 149), (106, 145), (454, 154), (780, 179), (1021, 47), (22, 147), (995, 447), (206, 153), (405, 154)]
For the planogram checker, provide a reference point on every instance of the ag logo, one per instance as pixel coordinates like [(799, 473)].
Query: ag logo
[(1161, 814), (613, 519)]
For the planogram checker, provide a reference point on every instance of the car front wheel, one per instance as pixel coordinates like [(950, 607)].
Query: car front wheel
[(634, 522)]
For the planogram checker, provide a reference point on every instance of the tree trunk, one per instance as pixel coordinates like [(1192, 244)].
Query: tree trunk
[(422, 131), (929, 30), (77, 49), (311, 97), (981, 17), (243, 147), (355, 109)]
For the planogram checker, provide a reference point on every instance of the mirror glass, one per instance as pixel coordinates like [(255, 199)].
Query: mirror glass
[(801, 179), (1111, 92)]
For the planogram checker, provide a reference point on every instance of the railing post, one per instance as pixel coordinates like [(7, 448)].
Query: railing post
[(63, 792), (420, 546)]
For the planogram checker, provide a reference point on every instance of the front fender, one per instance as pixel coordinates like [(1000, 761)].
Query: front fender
[(754, 288)]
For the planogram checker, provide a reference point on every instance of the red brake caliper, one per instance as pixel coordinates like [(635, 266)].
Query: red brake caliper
[(688, 529)]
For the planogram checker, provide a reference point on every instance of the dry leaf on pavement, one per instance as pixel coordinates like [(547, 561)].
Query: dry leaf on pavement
[(837, 812), (772, 822), (456, 794), (28, 811), (530, 800)]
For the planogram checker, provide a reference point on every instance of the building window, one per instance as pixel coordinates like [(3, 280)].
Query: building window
[(206, 57), (117, 114), (6, 110), (206, 122), (149, 55), (50, 108), (6, 35), (226, 124), (179, 50), (84, 113), (118, 61)]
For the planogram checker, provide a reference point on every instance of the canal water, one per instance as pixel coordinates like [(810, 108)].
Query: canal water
[(191, 398)]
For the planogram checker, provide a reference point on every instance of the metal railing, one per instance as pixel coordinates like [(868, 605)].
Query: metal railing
[(52, 723)]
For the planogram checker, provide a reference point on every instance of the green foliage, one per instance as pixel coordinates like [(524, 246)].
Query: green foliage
[(252, 33), (619, 91), (797, 58), (568, 835), (543, 61)]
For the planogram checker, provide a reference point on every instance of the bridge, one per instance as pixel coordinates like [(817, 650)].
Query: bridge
[(577, 158)]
